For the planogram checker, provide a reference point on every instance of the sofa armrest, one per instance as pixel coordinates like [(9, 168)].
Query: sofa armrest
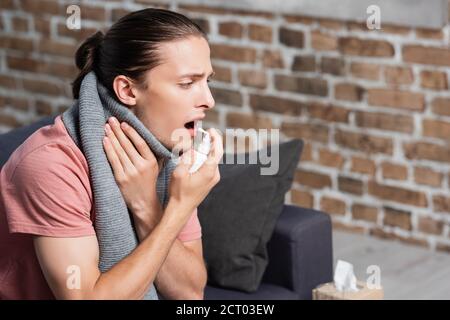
[(300, 251)]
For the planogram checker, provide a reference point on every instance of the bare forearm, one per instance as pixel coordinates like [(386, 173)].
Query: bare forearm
[(182, 275), (131, 277)]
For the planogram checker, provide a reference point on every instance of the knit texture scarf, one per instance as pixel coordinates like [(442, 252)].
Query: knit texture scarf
[(85, 122)]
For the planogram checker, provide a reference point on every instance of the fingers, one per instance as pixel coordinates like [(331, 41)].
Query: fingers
[(113, 158), (140, 144), (120, 152), (216, 151), (124, 142)]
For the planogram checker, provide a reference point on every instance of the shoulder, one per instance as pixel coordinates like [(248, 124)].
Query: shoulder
[(46, 152)]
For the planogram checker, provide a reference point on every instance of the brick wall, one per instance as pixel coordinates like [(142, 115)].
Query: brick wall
[(372, 106)]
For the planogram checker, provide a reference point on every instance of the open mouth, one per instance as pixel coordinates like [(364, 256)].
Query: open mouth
[(189, 125)]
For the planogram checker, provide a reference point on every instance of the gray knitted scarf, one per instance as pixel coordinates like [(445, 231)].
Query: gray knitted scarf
[(85, 122)]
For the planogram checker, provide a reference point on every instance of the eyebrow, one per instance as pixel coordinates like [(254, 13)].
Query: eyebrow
[(197, 75)]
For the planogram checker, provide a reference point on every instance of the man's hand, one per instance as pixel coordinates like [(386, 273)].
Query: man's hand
[(136, 171)]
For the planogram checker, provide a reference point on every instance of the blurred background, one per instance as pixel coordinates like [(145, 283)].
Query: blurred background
[(372, 106)]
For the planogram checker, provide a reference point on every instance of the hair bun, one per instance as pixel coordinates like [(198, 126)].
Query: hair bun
[(86, 54)]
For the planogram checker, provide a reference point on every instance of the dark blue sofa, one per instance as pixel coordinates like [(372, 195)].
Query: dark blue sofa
[(300, 250)]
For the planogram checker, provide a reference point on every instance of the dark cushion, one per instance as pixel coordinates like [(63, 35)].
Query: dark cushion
[(239, 215)]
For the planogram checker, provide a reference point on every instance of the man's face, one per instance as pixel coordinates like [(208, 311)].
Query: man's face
[(177, 91)]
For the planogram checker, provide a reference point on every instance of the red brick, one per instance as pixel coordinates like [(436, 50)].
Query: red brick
[(394, 171), (19, 24), (385, 121), (333, 24), (441, 106), (334, 66), (328, 112), (428, 151), (15, 103), (361, 47), (427, 176), (291, 38), (56, 48), (16, 43), (436, 128), (8, 82), (397, 218), (43, 87), (323, 41), (275, 104), (298, 19), (227, 97), (43, 108), (365, 70), (435, 80), (313, 132), (8, 4), (43, 26), (312, 86), (348, 92), (9, 120), (93, 13), (429, 33), (364, 166), (233, 53), (350, 185), (332, 205), (42, 7), (364, 212), (222, 73), (304, 63), (231, 29), (397, 194), (253, 78), (363, 142), (431, 226), (441, 203), (312, 179), (396, 99), (246, 121), (426, 55), (398, 75), (302, 198), (330, 159), (260, 33), (307, 154), (272, 59)]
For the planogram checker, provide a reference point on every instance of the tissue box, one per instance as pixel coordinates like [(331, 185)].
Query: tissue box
[(328, 291)]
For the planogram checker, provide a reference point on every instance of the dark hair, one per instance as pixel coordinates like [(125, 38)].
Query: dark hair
[(130, 46)]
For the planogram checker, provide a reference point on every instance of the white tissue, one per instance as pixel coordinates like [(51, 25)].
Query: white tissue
[(344, 278)]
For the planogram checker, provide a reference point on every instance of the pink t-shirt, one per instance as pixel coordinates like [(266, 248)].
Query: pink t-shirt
[(45, 190)]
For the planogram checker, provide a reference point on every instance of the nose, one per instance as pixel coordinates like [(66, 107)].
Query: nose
[(207, 99)]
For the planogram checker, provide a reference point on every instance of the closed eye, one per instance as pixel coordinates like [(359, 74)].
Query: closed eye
[(186, 85)]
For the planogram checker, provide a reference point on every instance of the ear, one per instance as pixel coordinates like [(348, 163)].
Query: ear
[(125, 90)]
